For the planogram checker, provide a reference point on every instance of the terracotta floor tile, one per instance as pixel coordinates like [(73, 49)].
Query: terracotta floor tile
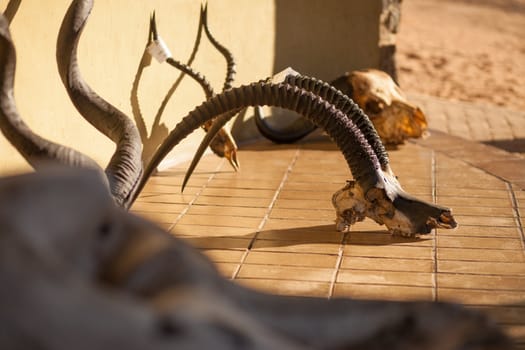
[(384, 238), (302, 203), (482, 267), (387, 251), (479, 242), (386, 264), (291, 259), (453, 201), (302, 235), (295, 246), (169, 198), (221, 220), (212, 231), (224, 255), (472, 192), (482, 282), (240, 182), (484, 211), (158, 217), (480, 297), (305, 194), (481, 231), (230, 211), (287, 273), (384, 277), (328, 188), (308, 179), (298, 214), (234, 201), (298, 249), (173, 208), (383, 292), (300, 288), (313, 224), (225, 192), (218, 242), (487, 255), (485, 220)]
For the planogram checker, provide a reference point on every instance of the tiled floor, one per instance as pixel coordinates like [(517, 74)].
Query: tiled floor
[(271, 226)]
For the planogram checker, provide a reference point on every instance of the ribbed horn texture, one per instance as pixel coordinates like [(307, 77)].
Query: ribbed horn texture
[(35, 149), (360, 157), (299, 129), (125, 167), (230, 61), (198, 77), (347, 106)]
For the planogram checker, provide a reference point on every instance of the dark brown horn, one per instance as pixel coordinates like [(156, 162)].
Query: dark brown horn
[(35, 149), (360, 157), (228, 56), (125, 167)]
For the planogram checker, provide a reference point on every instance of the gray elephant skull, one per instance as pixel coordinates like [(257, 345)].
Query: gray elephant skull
[(394, 117)]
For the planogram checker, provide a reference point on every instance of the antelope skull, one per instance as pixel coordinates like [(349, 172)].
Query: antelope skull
[(394, 117)]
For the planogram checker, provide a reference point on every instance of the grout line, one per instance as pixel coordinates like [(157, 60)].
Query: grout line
[(196, 196), (433, 175), (267, 213), (337, 266), (516, 212)]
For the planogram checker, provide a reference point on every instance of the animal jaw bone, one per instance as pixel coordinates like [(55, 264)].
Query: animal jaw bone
[(93, 276), (401, 213)]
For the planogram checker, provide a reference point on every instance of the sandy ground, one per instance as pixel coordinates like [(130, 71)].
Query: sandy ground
[(467, 50)]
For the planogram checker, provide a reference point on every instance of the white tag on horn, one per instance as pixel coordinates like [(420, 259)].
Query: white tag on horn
[(159, 50)]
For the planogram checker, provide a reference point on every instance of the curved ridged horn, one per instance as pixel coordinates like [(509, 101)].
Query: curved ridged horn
[(340, 99), (360, 157), (211, 134), (125, 167), (293, 133), (375, 193), (303, 126), (223, 144), (35, 149), (344, 103), (228, 56)]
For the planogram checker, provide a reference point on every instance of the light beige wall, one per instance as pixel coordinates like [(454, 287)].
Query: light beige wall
[(112, 47)]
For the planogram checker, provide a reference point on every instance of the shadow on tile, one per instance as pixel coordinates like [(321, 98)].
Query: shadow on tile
[(515, 145), (320, 234)]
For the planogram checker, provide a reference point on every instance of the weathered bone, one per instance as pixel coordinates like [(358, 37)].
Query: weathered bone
[(125, 167), (78, 272), (376, 193)]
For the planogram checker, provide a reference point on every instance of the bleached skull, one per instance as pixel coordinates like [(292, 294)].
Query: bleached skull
[(394, 118)]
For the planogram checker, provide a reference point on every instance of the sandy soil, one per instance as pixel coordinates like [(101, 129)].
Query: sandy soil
[(468, 50)]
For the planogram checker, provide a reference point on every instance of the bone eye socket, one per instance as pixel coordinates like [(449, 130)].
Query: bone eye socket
[(104, 230)]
